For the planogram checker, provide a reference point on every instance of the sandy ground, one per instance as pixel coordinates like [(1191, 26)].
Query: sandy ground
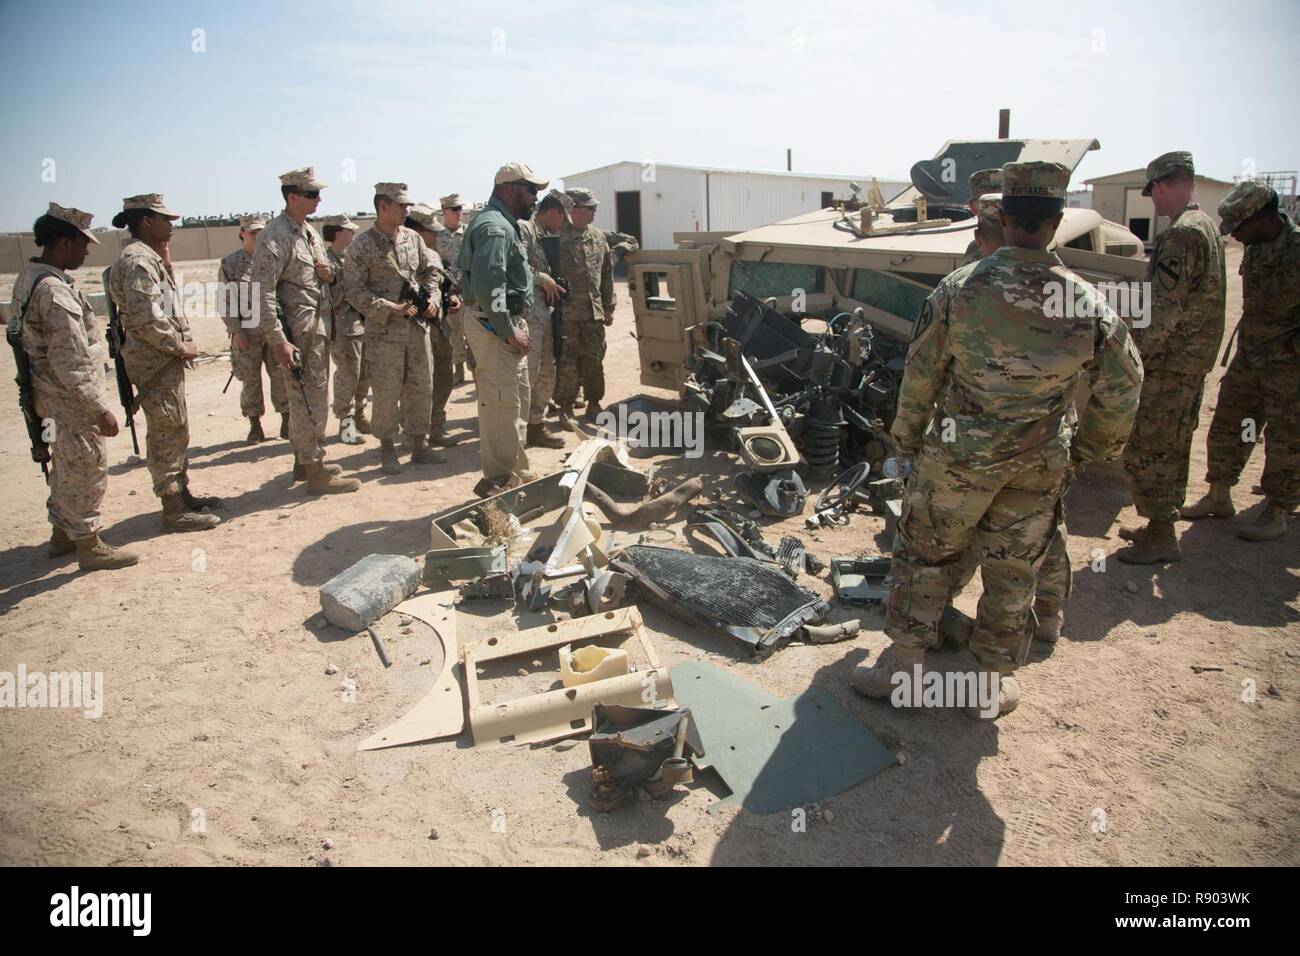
[(223, 739)]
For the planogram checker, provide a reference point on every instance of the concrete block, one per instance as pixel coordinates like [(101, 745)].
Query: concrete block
[(356, 598)]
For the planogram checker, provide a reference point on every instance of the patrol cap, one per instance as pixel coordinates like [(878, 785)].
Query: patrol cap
[(582, 197), (451, 201), (302, 180), (395, 192), (252, 223), (518, 173), (150, 202), (1180, 160), (988, 206), (1035, 179), (73, 217), (984, 181), (1243, 201), (341, 220), (423, 214)]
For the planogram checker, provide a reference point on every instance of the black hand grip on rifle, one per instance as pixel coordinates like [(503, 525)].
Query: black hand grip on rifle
[(551, 247), (295, 366), (420, 298), (117, 339)]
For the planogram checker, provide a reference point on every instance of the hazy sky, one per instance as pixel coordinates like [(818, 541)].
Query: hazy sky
[(126, 98)]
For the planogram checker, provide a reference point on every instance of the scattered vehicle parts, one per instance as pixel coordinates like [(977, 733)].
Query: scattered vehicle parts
[(778, 494), (637, 746), (645, 513), (455, 564), (379, 647), (590, 663), (832, 633), (860, 580)]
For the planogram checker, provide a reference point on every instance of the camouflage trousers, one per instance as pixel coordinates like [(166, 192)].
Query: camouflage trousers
[(350, 380), (582, 357), (541, 364), (1055, 578), (400, 366), (1159, 450), (248, 364), (78, 469), (307, 428), (456, 334), (167, 433), (1009, 514), (501, 380), (442, 354), (1250, 398)]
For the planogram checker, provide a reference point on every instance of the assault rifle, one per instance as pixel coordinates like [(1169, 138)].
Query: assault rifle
[(26, 394), (117, 339)]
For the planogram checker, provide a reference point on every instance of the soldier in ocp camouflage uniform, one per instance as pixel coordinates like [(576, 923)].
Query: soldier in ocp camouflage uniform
[(157, 350), (1178, 343), (587, 270), (421, 218), (380, 262), (983, 182), (289, 267), (547, 220), (1260, 392), (449, 238), (984, 410), (66, 352), (347, 338), (248, 352)]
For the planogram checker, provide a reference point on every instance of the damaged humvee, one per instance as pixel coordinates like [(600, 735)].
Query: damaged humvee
[(794, 333)]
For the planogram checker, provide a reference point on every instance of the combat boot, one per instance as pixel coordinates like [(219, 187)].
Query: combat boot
[(1216, 504), (422, 454), (1132, 532), (93, 554), (1008, 698), (300, 471), (458, 377), (178, 517), (538, 438), (388, 462), (566, 411), (284, 426), (349, 434), (198, 502), (440, 437), (60, 543), (1157, 545), (360, 420), (1270, 524), (323, 482), (593, 410), (878, 679), (1048, 629), (255, 433)]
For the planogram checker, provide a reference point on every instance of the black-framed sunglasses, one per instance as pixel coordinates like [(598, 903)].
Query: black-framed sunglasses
[(309, 194), (529, 186)]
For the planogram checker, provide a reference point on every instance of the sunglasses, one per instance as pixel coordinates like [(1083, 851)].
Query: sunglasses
[(310, 194), (529, 186)]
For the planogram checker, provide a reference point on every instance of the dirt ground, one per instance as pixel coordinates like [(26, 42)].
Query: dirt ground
[(224, 740)]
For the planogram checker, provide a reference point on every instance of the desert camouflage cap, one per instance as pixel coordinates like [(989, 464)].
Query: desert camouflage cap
[(989, 204), (73, 217), (341, 220), (302, 179), (582, 197), (394, 191), (1035, 178), (451, 201), (1245, 199), (1179, 160), (518, 173), (252, 223), (424, 215), (984, 181), (150, 202)]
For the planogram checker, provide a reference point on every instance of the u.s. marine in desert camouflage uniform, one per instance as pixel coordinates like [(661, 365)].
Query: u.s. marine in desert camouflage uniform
[(289, 265), (157, 350), (1260, 392), (547, 220), (347, 337), (248, 352), (587, 271), (447, 245), (421, 218), (1179, 342), (66, 354), (984, 411)]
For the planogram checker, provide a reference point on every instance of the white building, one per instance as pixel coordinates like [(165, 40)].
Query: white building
[(653, 200)]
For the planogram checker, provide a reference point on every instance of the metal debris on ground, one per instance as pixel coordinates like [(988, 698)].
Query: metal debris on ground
[(633, 747), (860, 580)]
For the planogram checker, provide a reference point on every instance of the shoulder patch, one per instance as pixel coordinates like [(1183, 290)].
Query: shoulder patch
[(1169, 270)]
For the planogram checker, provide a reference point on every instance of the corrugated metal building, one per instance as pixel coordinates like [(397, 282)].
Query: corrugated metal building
[(653, 200)]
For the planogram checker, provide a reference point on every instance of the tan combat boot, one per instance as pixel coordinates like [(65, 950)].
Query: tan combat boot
[(1008, 698), (360, 420), (323, 482), (458, 376), (878, 679), (93, 554), (422, 454), (1270, 524), (438, 436), (537, 437), (388, 462), (178, 517), (60, 543), (1216, 504), (1048, 629), (255, 433), (284, 426), (1132, 532), (1158, 545)]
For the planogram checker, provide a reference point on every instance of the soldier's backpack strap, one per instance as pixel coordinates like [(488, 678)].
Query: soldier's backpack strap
[(15, 332)]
